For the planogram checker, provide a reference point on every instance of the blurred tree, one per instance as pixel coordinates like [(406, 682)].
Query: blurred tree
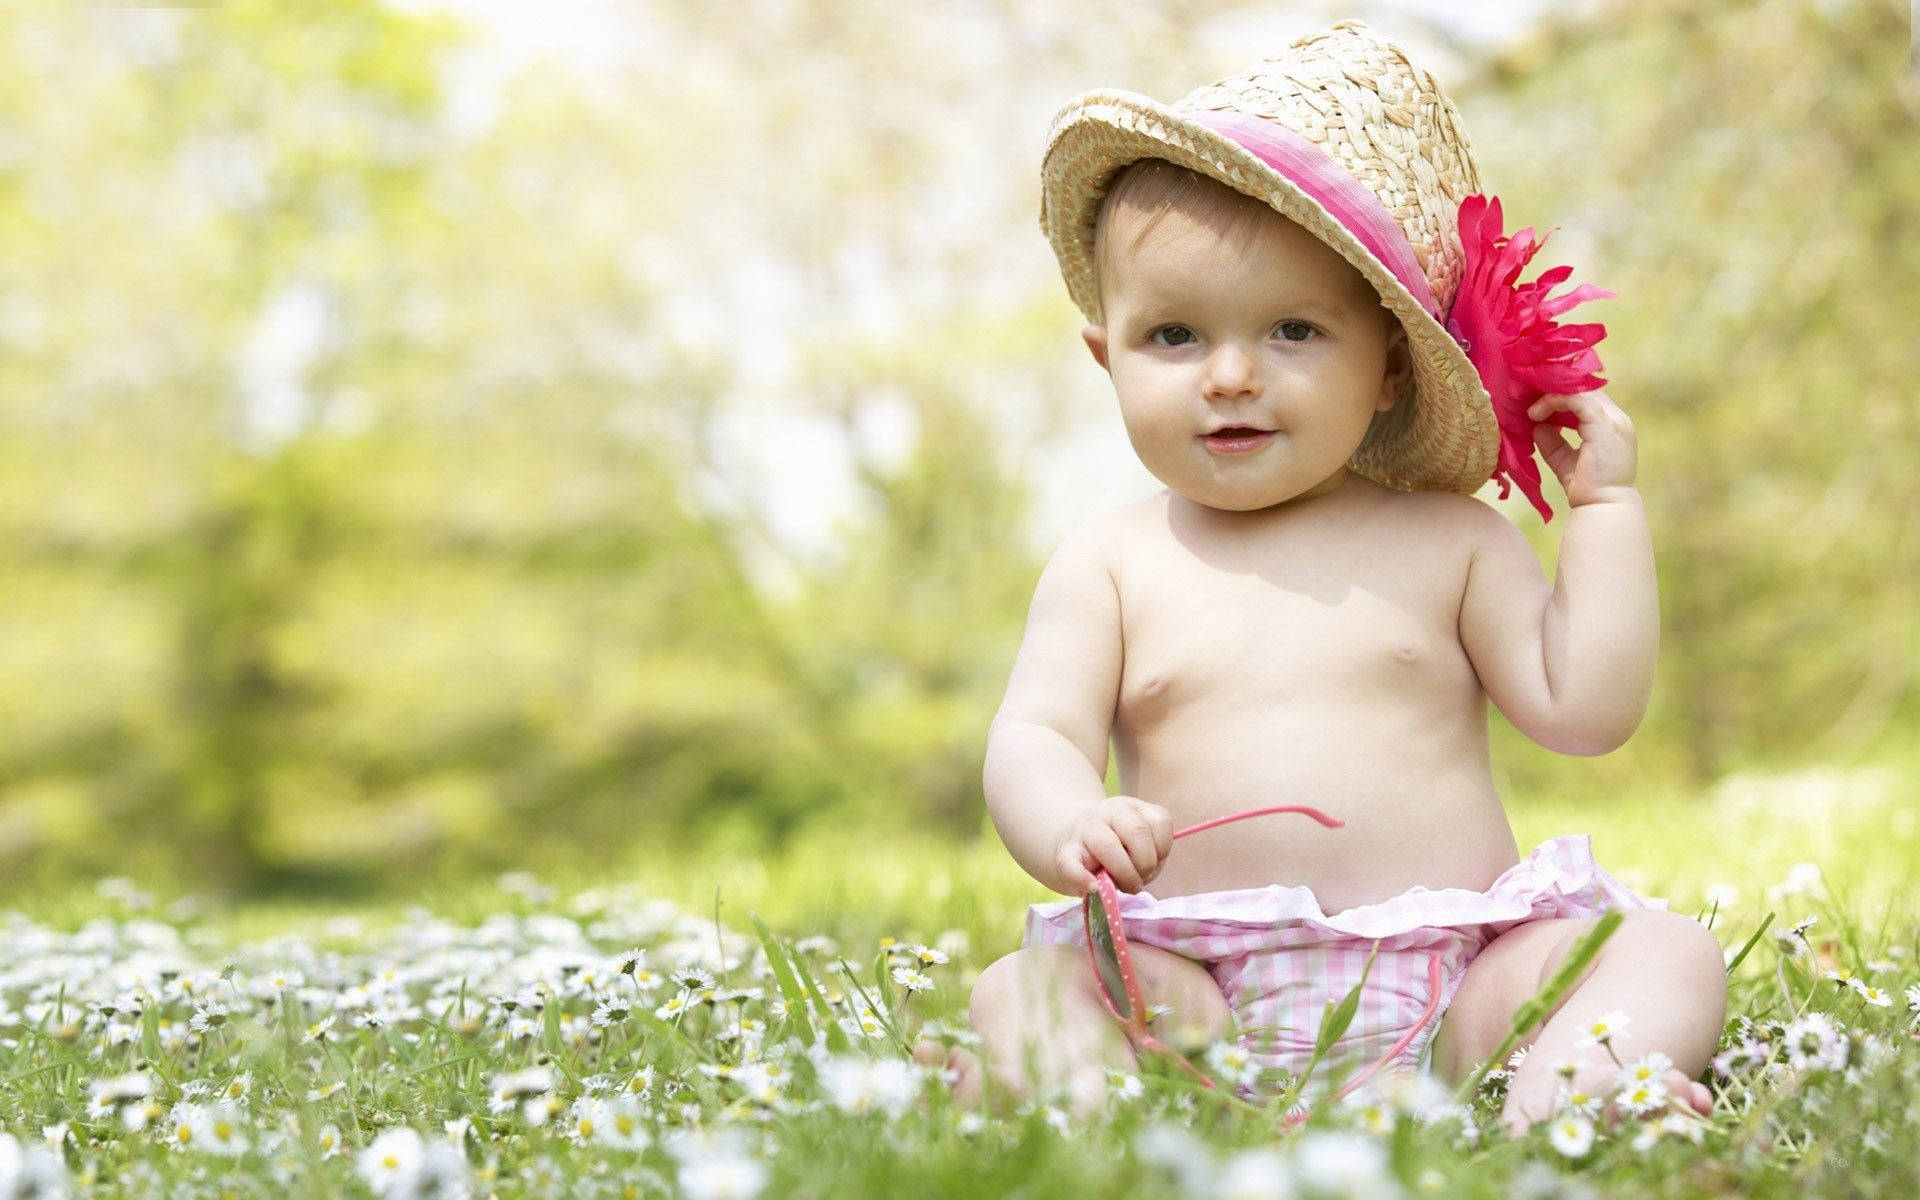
[(371, 488), (1746, 174)]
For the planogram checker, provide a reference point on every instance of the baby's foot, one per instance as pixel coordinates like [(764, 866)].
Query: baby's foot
[(1686, 1095), (959, 1069), (1536, 1100)]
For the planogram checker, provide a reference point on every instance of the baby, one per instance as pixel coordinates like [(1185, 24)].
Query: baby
[(1315, 610)]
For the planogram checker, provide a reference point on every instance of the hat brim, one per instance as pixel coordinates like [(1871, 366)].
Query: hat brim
[(1445, 437)]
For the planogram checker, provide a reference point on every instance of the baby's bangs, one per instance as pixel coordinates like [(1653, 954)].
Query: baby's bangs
[(1153, 187)]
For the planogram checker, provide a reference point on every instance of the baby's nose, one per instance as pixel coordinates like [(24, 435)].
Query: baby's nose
[(1231, 372)]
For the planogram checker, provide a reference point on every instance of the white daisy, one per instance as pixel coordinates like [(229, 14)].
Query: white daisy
[(1877, 996), (31, 1170), (1342, 1163), (512, 1088), (1257, 1174), (693, 979), (1601, 1030), (1231, 1060), (321, 1030), (1643, 1098), (1814, 1044), (860, 1085), (209, 1016), (1648, 1068), (725, 1175), (1571, 1135), (392, 1162), (911, 979), (1749, 1054), (1577, 1102), (226, 1129)]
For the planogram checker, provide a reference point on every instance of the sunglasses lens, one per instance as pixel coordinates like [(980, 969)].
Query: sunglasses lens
[(1106, 960)]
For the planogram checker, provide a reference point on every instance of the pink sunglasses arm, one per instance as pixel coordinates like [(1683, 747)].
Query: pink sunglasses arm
[(1303, 809)]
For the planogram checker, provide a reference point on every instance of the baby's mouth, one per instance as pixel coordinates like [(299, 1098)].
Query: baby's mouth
[(1235, 439)]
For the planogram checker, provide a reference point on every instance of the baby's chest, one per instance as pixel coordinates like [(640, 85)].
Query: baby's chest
[(1195, 634)]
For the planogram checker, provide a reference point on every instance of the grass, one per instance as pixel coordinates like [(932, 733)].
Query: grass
[(487, 1039)]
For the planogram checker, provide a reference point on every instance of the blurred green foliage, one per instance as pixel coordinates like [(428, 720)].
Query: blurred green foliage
[(466, 585)]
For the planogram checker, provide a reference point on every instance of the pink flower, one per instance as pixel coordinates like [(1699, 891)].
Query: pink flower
[(1509, 332)]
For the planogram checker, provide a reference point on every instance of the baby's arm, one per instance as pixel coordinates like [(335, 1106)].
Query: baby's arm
[(1572, 665), (1047, 747)]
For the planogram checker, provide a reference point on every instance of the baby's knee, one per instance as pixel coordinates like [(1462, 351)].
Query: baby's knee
[(1687, 951), (1017, 984), (1200, 1012)]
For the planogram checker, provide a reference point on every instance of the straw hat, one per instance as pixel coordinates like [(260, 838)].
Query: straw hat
[(1347, 136)]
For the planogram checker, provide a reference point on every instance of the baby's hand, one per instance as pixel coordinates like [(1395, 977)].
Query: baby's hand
[(1607, 458), (1125, 835)]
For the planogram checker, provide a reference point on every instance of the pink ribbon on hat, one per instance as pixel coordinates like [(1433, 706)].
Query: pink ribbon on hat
[(1345, 198)]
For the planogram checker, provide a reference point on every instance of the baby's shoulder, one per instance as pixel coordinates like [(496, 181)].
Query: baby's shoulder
[(1434, 525), (1448, 507), (1455, 511)]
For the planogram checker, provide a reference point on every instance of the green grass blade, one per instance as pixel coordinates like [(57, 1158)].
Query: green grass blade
[(783, 976), (1735, 963)]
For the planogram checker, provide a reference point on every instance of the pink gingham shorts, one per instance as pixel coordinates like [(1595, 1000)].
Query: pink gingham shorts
[(1278, 958)]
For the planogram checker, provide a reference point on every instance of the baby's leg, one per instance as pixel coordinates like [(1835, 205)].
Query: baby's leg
[(1663, 969), (1042, 1026)]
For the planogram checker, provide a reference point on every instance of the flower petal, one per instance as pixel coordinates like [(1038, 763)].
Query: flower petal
[(1508, 331)]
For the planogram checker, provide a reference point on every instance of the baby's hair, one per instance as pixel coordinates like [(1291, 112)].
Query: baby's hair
[(1153, 187)]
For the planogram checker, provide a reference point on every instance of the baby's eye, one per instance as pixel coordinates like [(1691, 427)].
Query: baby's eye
[(1154, 337), (1286, 325)]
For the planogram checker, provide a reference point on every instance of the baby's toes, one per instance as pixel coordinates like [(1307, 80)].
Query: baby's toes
[(959, 1068), (1690, 1093), (929, 1053)]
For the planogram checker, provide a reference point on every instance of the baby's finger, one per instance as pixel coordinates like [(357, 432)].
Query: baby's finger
[(1162, 822), (1137, 835), (1073, 872), (1555, 448), (1106, 846)]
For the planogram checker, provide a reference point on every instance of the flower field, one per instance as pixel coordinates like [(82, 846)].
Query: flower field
[(613, 1044)]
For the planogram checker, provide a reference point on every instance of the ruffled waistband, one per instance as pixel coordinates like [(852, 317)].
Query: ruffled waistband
[(1559, 878)]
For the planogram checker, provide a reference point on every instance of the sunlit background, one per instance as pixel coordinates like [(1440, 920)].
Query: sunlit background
[(620, 440)]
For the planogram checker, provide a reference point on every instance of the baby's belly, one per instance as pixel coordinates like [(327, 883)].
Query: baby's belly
[(1417, 800)]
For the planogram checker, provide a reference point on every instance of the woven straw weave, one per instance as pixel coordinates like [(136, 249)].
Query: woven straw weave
[(1385, 120)]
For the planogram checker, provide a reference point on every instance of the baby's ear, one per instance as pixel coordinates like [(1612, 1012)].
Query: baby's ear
[(1399, 368), (1096, 338)]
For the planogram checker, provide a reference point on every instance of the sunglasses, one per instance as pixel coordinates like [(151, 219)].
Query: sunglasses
[(1120, 987)]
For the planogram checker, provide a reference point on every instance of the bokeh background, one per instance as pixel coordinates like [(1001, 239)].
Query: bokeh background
[(620, 440)]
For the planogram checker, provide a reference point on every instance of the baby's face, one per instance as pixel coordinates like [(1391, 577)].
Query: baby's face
[(1285, 336)]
